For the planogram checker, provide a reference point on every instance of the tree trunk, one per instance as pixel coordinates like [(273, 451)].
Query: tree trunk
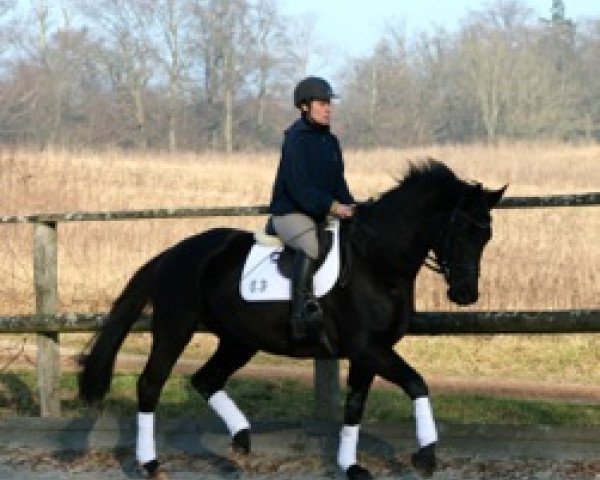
[(173, 115), (260, 114), (228, 123), (173, 41), (53, 137), (140, 116)]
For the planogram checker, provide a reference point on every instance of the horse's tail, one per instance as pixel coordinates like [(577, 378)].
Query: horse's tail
[(98, 363)]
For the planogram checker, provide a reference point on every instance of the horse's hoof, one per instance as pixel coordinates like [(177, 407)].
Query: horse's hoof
[(230, 471), (153, 470), (356, 472), (240, 443), (424, 460)]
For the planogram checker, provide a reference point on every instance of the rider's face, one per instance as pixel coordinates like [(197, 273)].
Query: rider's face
[(320, 111)]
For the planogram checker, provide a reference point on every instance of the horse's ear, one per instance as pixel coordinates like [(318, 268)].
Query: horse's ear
[(494, 196)]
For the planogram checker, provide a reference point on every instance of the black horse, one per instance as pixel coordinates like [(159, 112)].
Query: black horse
[(387, 242)]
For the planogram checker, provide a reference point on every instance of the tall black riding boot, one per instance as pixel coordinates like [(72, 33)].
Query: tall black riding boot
[(306, 316)]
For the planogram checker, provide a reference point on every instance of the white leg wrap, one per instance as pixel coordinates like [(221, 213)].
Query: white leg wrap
[(347, 451), (426, 431), (145, 450), (228, 412)]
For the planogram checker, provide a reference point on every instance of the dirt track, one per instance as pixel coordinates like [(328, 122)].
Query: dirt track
[(103, 448), (121, 466)]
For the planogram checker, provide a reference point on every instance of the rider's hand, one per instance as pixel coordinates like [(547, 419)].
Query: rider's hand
[(341, 210)]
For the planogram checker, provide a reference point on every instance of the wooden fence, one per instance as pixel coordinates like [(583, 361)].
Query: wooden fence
[(48, 324)]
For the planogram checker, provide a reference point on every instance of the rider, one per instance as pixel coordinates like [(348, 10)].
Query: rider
[(309, 185)]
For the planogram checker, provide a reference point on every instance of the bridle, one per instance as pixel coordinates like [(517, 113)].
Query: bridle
[(441, 264)]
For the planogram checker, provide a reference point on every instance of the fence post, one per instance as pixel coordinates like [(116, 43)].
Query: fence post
[(327, 389), (46, 297)]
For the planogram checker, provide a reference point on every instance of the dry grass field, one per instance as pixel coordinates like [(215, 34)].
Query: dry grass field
[(537, 259)]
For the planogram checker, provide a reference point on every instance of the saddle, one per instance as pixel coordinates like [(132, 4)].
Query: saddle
[(266, 275)]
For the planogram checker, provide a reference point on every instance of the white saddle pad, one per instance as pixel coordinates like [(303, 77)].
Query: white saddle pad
[(261, 280)]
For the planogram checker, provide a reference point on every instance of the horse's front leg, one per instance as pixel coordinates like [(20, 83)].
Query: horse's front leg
[(359, 383), (389, 365)]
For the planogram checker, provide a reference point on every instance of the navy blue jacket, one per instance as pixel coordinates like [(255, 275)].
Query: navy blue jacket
[(311, 172)]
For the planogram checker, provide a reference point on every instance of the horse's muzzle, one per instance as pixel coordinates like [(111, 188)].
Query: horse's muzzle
[(463, 296)]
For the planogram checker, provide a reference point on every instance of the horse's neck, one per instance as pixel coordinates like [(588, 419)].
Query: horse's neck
[(404, 250), (412, 253), (402, 262)]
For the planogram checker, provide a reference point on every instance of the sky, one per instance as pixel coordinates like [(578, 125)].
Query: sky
[(351, 28)]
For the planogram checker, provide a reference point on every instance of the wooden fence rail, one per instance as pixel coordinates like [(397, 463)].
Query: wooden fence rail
[(577, 200), (48, 324), (425, 323)]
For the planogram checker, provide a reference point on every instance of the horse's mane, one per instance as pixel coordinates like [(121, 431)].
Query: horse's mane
[(430, 171), (429, 175), (428, 189)]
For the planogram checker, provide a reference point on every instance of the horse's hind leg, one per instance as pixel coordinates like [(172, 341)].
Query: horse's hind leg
[(210, 380), (167, 346)]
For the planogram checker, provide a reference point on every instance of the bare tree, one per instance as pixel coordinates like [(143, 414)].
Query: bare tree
[(588, 74), (173, 19), (225, 39), (444, 110), (380, 94), (268, 57), (48, 54), (127, 28), (493, 49)]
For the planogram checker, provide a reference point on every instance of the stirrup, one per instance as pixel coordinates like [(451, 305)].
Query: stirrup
[(309, 323), (311, 312)]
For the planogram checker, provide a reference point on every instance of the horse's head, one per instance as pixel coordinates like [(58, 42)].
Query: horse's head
[(429, 209), (460, 243)]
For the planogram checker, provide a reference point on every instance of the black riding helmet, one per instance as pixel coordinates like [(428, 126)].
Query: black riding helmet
[(312, 88)]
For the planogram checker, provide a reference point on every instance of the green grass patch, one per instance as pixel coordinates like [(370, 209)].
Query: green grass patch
[(386, 405), (280, 399)]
